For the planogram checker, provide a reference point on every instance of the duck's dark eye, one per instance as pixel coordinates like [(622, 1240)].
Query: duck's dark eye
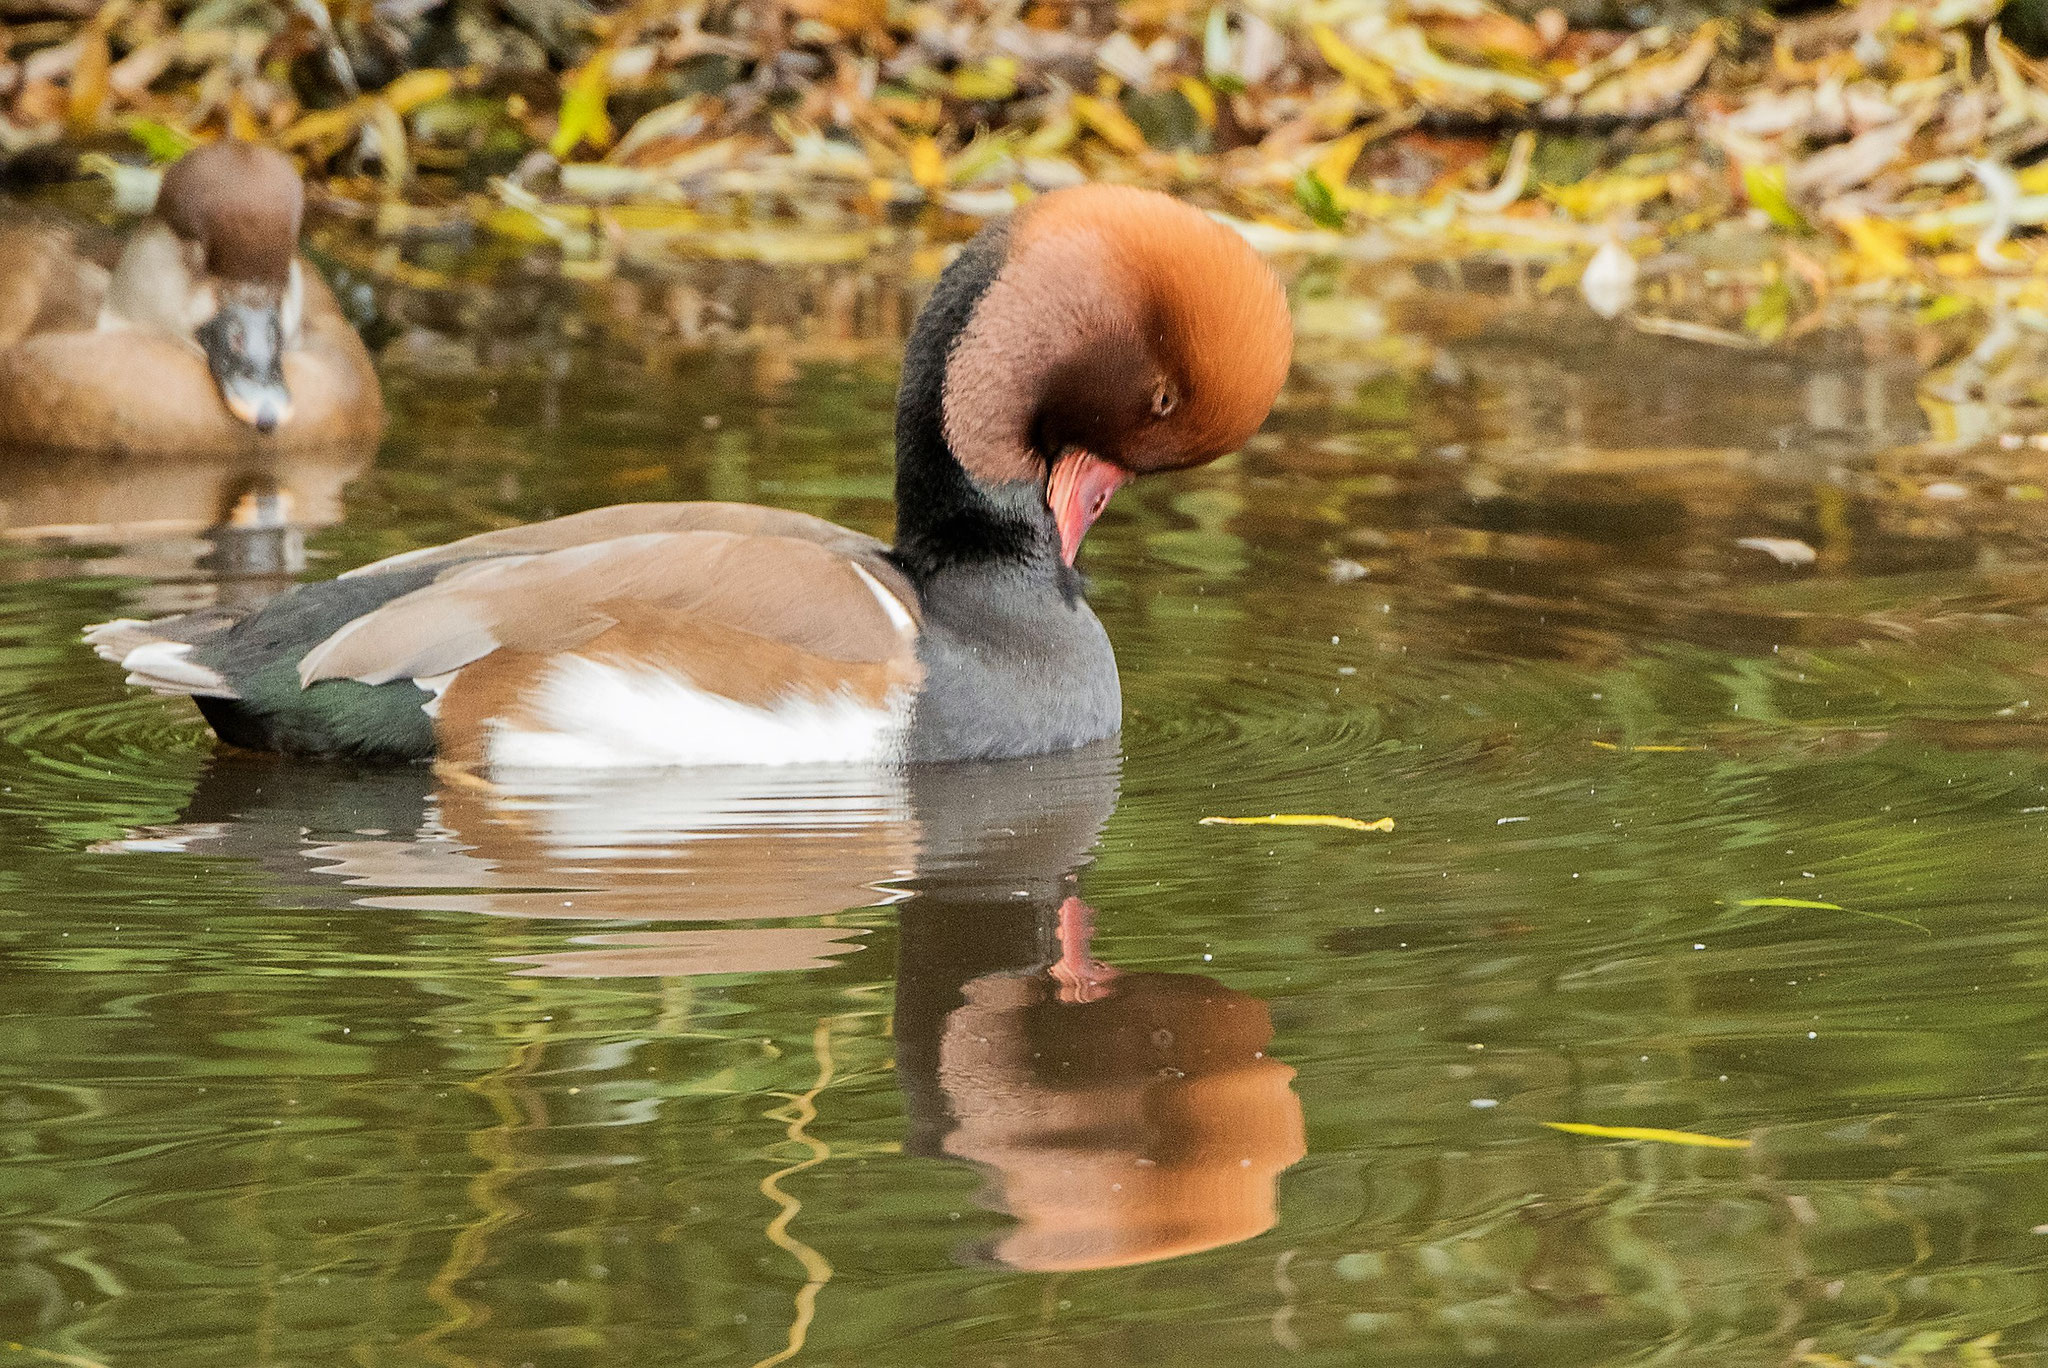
[(1163, 401)]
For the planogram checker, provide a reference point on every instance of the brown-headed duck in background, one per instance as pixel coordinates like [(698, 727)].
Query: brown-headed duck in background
[(1099, 334), (208, 338)]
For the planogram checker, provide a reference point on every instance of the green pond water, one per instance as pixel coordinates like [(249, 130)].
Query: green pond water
[(307, 1064)]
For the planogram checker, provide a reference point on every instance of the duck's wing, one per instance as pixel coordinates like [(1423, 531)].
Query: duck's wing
[(625, 520), (683, 647), (780, 589), (656, 647)]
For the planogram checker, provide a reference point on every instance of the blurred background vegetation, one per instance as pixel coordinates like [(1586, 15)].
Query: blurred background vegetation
[(1888, 147)]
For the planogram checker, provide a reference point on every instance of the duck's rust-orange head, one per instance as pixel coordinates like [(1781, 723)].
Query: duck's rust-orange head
[(1125, 333)]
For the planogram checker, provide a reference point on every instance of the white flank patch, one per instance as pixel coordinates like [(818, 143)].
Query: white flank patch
[(598, 716)]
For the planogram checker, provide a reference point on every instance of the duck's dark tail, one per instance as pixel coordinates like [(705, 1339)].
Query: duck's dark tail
[(240, 665), (158, 655)]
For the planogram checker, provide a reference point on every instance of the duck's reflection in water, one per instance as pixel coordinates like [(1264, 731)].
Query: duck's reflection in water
[(226, 529), (1121, 1117), (715, 846)]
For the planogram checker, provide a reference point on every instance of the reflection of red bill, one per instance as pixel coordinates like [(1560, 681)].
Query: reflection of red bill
[(1077, 493)]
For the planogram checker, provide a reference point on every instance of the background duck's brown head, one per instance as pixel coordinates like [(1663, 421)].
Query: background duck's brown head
[(241, 205), (237, 207), (1124, 333)]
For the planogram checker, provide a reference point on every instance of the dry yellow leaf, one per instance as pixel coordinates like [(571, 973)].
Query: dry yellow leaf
[(1053, 136), (241, 123), (391, 144), (1372, 79), (927, 163), (1200, 98), (1598, 197), (1303, 819), (584, 118), (91, 80), (322, 125), (995, 79), (1333, 165), (1110, 123), (1881, 249), (416, 88), (1652, 87), (518, 224), (656, 218)]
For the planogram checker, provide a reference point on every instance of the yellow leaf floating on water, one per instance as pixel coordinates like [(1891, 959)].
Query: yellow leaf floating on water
[(1646, 750), (1303, 819), (1654, 1134), (1812, 905)]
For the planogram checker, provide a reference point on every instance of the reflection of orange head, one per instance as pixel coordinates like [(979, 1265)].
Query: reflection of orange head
[(1141, 1126)]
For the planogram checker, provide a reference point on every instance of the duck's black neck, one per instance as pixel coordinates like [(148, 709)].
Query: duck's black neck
[(945, 519)]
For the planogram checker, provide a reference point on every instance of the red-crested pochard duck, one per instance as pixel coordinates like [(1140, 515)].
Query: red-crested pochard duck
[(208, 338), (1098, 334)]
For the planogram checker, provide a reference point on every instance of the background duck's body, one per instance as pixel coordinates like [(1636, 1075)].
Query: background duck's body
[(124, 360), (1104, 334)]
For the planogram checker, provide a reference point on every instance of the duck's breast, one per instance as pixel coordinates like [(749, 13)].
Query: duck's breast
[(1013, 666)]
